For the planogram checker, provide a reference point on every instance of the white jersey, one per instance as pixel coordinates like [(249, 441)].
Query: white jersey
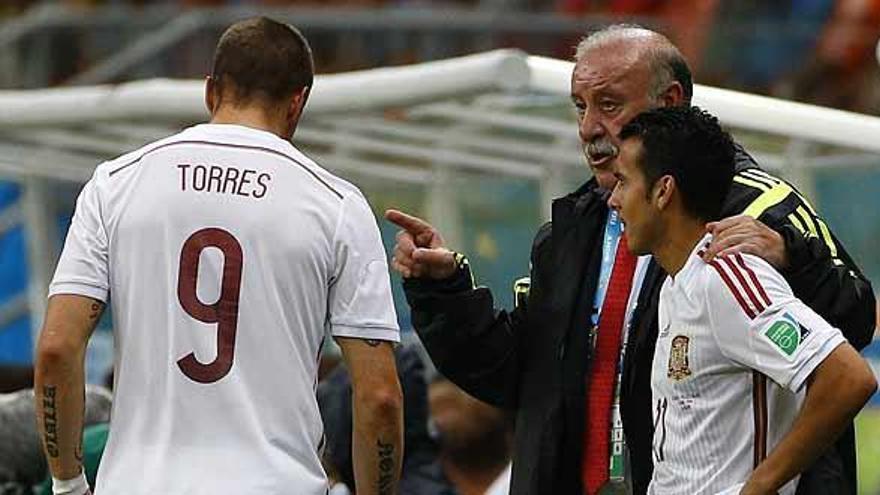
[(734, 351), (227, 256)]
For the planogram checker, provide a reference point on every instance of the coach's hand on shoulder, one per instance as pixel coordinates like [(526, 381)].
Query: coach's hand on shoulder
[(419, 251), (744, 234)]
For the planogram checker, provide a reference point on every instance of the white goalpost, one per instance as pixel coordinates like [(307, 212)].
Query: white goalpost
[(499, 114)]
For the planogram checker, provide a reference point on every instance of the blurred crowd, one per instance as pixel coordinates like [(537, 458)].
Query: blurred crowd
[(817, 51)]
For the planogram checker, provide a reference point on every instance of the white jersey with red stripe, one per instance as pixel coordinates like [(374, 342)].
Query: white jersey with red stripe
[(734, 350), (227, 256)]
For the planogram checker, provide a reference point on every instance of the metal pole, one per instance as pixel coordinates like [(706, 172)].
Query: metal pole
[(442, 207), (41, 242)]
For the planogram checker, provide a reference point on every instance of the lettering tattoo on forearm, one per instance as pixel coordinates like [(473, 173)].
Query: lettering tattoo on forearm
[(50, 420), (386, 467), (78, 451)]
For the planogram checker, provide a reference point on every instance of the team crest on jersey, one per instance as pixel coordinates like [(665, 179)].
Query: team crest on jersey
[(678, 368), (786, 334)]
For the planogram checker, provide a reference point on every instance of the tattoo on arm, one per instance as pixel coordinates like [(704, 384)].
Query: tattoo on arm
[(50, 420), (95, 311), (386, 467), (78, 451)]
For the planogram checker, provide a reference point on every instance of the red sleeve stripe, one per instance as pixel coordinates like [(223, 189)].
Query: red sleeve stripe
[(733, 289), (740, 277), (755, 281)]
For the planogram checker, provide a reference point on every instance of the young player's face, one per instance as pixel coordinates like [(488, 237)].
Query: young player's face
[(609, 86), (631, 197)]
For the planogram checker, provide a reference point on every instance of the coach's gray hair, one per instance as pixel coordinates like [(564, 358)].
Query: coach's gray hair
[(667, 62)]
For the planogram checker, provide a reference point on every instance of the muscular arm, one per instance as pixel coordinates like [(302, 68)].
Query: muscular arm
[(839, 387), (59, 380), (377, 442)]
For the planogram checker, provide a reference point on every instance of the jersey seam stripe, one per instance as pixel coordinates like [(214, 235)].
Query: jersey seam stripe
[(762, 393), (730, 285), (230, 145), (744, 283), (663, 425), (757, 178), (755, 421), (754, 277), (655, 447), (759, 416)]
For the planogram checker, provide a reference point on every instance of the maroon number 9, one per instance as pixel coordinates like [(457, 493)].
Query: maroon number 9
[(223, 312)]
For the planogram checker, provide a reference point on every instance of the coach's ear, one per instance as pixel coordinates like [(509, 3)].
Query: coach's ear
[(672, 96), (663, 190)]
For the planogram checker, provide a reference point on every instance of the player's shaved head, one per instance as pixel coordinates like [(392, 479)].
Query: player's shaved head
[(637, 44), (262, 59)]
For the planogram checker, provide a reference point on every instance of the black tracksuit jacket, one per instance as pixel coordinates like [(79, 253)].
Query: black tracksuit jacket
[(533, 360)]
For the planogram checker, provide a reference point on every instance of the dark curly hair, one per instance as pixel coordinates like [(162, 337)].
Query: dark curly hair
[(689, 144)]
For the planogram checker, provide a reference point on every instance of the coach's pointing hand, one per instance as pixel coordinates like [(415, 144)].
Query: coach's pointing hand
[(419, 251)]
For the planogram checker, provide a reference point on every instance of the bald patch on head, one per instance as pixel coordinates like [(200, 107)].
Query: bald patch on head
[(598, 74), (636, 38), (633, 45)]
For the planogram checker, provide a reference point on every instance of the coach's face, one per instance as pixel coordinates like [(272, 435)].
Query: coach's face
[(610, 85), (635, 200)]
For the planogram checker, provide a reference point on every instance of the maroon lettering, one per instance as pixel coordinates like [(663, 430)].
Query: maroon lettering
[(223, 312)]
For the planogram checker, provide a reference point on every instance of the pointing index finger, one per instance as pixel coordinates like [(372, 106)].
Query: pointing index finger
[(413, 225)]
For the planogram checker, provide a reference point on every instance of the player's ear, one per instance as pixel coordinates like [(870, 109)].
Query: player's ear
[(663, 190), (297, 104), (210, 94)]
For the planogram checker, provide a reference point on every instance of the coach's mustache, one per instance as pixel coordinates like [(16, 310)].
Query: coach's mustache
[(600, 148)]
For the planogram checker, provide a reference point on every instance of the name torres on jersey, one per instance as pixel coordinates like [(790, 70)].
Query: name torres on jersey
[(223, 180)]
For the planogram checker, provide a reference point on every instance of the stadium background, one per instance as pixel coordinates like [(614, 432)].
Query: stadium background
[(816, 51)]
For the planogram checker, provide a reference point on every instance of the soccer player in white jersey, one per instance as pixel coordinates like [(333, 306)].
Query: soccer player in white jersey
[(749, 384), (227, 255)]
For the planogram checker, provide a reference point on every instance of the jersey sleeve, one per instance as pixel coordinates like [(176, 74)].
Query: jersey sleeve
[(758, 322), (360, 303), (83, 268)]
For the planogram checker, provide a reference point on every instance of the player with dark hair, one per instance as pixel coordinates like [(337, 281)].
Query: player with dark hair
[(573, 360), (731, 330), (228, 256)]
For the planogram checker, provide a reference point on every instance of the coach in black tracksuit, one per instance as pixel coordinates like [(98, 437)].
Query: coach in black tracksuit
[(534, 359)]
